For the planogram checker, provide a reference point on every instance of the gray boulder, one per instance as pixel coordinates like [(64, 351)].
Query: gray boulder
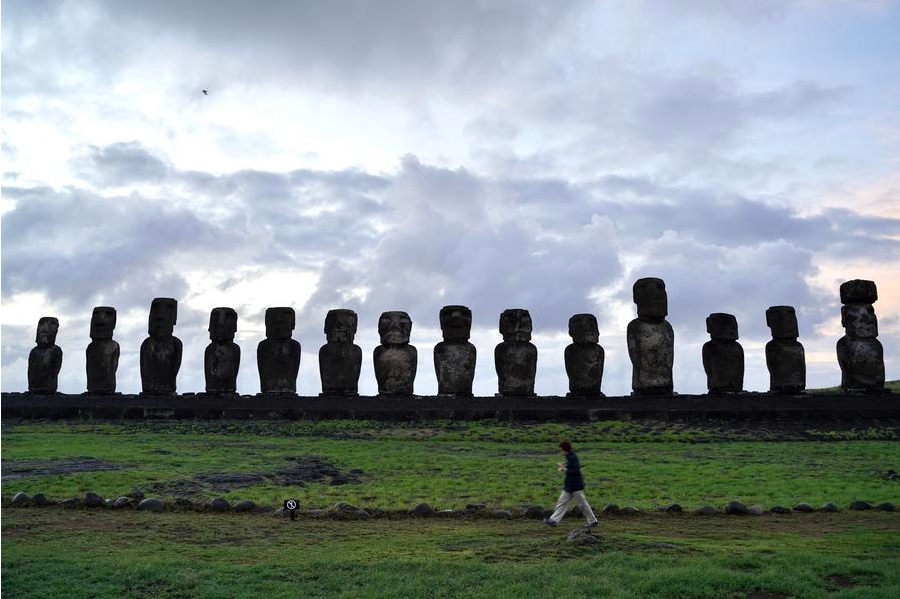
[(860, 506), (535, 512), (505, 514), (611, 508), (582, 536), (93, 500), (706, 510), (151, 504), (736, 508), (887, 506), (219, 504), (69, 503), (423, 509), (21, 498), (755, 510), (780, 509), (121, 502), (671, 509), (245, 506), (39, 500), (804, 508), (829, 507), (630, 510)]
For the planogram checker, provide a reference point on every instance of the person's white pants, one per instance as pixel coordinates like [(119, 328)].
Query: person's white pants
[(565, 498)]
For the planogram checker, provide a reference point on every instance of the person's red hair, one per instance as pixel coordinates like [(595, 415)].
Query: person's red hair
[(565, 446)]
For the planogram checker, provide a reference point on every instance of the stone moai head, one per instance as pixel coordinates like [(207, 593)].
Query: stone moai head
[(583, 328), (783, 322), (722, 327), (859, 320), (456, 323), (163, 313), (650, 296), (103, 322), (280, 323), (340, 326), (394, 327), (515, 325), (858, 314), (222, 324), (47, 328)]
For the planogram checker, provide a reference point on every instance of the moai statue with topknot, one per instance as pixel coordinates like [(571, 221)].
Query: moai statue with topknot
[(161, 351), (340, 360), (785, 357), (454, 357), (45, 360), (651, 341), (222, 358), (516, 358), (102, 353), (395, 359), (859, 352), (584, 357), (723, 356), (278, 356)]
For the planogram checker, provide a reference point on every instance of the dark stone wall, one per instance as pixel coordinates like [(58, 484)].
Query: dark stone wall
[(412, 407)]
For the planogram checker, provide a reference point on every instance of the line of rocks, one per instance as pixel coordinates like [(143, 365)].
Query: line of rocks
[(342, 510)]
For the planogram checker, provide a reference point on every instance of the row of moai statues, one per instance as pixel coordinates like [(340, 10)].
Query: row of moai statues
[(651, 348)]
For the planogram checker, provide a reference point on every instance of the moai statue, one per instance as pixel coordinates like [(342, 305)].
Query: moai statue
[(723, 356), (102, 353), (584, 357), (651, 341), (395, 359), (340, 359), (516, 358), (454, 357), (45, 360), (278, 356), (859, 352), (161, 351), (223, 356), (785, 357)]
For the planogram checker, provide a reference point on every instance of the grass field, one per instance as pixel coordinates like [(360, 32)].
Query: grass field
[(54, 552)]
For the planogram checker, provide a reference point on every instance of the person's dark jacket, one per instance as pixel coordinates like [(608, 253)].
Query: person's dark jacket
[(574, 481)]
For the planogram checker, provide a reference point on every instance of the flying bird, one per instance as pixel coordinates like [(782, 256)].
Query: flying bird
[(205, 93)]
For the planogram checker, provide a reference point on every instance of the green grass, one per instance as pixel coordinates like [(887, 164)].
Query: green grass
[(451, 464), (55, 553), (893, 386), (87, 553)]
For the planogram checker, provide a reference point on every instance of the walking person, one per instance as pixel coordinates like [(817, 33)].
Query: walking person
[(573, 489)]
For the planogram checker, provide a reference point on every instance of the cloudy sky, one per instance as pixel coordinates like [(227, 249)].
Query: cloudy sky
[(404, 155)]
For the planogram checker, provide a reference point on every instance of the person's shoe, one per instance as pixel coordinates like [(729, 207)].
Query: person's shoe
[(593, 524), (549, 522)]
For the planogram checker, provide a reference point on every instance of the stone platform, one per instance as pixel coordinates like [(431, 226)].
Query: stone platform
[(412, 407)]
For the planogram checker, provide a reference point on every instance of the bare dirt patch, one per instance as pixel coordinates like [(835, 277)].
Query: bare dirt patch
[(297, 473), (840, 580), (16, 469)]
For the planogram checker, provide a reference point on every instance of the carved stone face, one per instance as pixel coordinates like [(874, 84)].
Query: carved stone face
[(583, 329), (163, 313), (340, 326), (222, 324), (783, 322), (47, 328), (279, 323), (859, 320), (722, 326), (456, 323), (515, 325), (394, 327), (103, 322), (650, 296)]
